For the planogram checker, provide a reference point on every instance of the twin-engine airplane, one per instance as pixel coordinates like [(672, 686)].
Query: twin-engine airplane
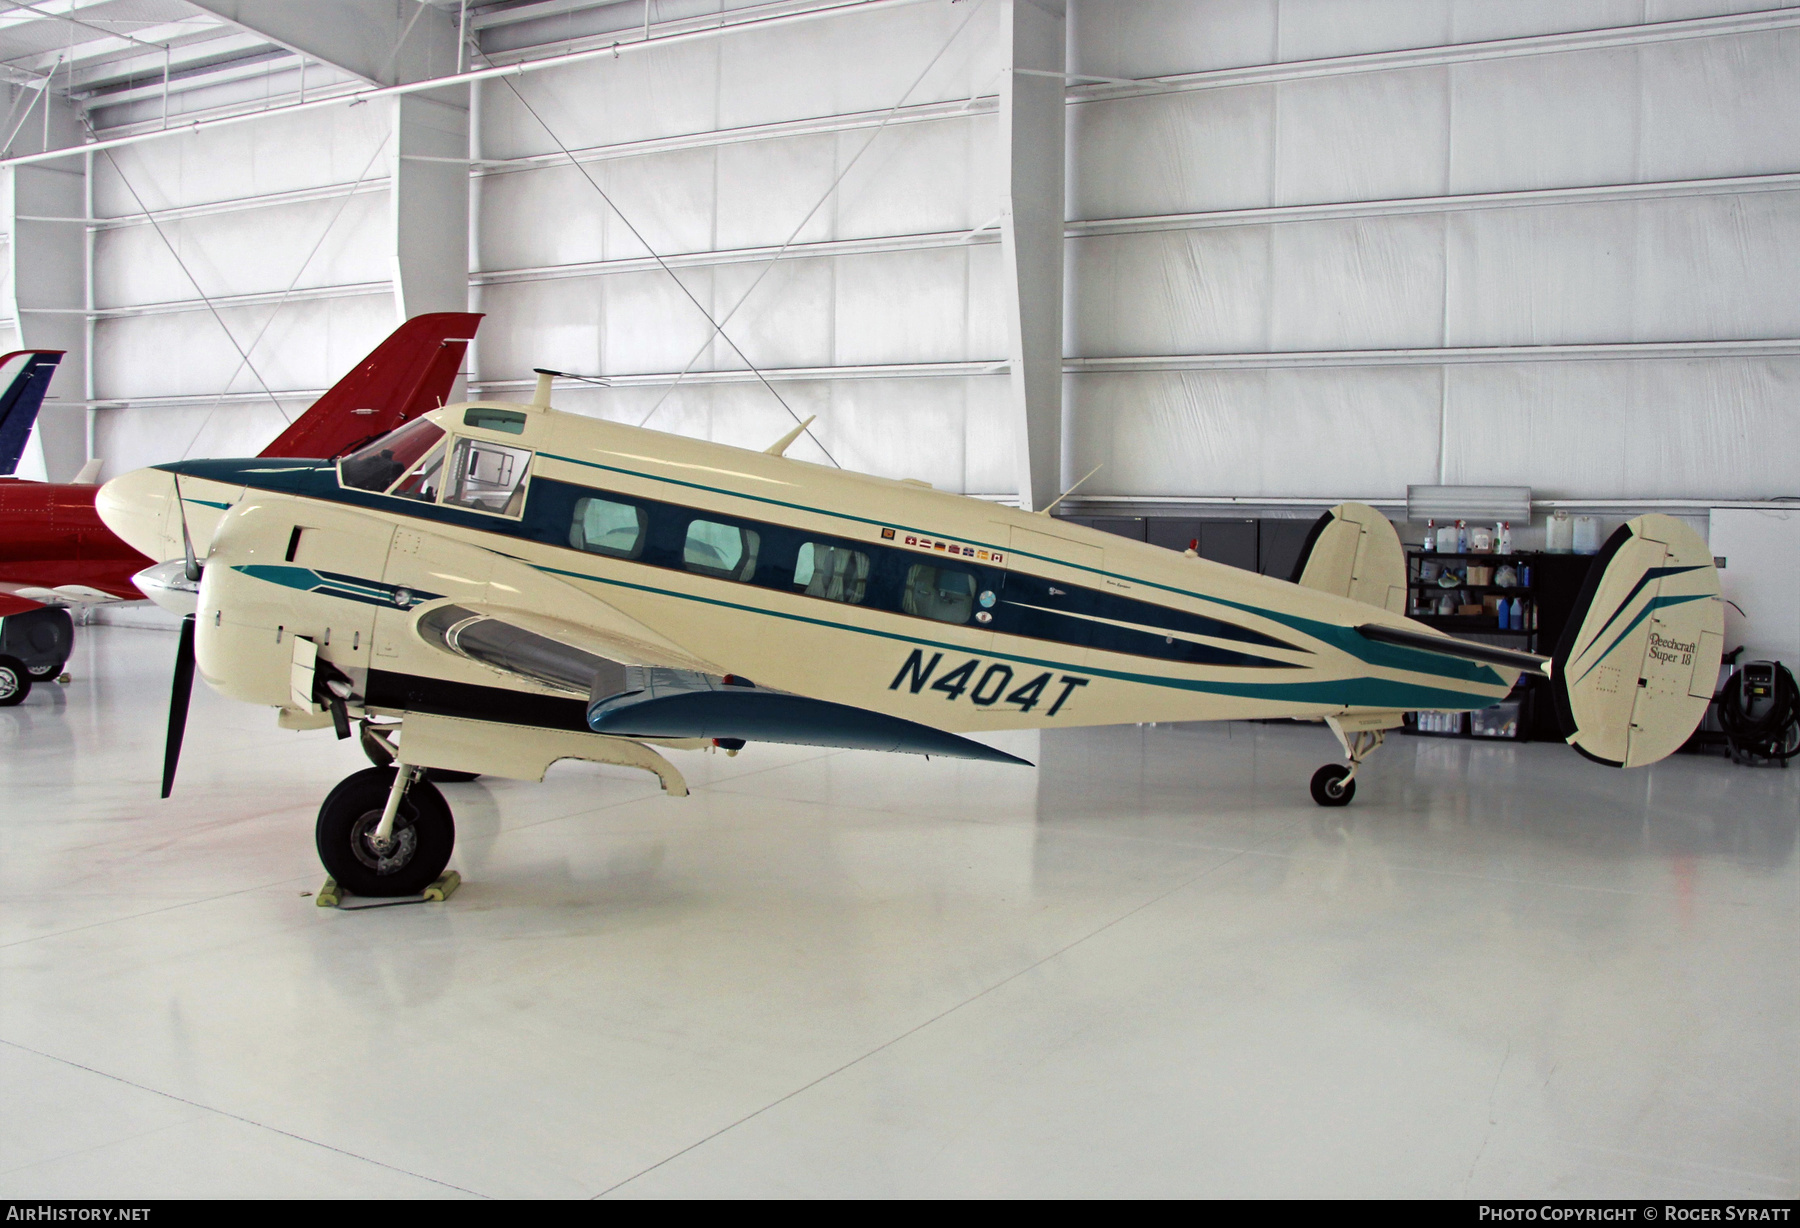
[(54, 550), (498, 586)]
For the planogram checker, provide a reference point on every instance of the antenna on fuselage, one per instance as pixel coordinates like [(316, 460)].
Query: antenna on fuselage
[(1065, 494), (780, 446)]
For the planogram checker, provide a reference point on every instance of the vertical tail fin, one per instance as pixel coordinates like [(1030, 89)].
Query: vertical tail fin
[(24, 379), (406, 375), (1640, 654), (1353, 551)]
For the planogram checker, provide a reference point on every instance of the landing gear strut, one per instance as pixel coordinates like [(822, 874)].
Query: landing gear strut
[(379, 747), (1335, 784), (385, 832)]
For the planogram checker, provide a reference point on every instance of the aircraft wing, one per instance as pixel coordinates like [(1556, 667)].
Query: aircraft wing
[(627, 698), (678, 704)]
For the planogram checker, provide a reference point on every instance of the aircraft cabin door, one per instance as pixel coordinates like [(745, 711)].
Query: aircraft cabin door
[(1052, 592)]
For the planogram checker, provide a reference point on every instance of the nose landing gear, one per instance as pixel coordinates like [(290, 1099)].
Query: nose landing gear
[(385, 832)]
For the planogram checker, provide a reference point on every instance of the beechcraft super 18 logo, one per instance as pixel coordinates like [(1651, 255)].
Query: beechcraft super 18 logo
[(940, 545)]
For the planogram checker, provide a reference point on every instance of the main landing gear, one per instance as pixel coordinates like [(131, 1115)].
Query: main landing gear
[(1335, 784), (385, 832), (379, 749)]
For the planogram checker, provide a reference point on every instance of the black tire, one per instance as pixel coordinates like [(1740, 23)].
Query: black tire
[(378, 755), (424, 835), (15, 682), (1326, 789), (45, 674)]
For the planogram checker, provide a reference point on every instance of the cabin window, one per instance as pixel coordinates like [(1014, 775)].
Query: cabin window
[(378, 465), (722, 550), (426, 478), (510, 421), (944, 593), (488, 477), (604, 527), (835, 573)]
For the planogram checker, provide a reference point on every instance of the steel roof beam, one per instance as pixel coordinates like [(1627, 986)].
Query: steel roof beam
[(380, 42)]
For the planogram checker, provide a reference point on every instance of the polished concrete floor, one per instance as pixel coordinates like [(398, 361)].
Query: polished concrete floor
[(1151, 967)]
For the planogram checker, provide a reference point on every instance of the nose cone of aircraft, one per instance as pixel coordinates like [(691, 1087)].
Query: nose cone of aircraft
[(140, 507)]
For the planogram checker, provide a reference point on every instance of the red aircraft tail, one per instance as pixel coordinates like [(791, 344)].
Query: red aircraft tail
[(408, 374)]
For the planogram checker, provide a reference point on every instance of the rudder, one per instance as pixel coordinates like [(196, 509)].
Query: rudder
[(1639, 657), (1353, 551)]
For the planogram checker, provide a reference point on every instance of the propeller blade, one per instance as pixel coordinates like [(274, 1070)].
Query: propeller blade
[(180, 692), (192, 567)]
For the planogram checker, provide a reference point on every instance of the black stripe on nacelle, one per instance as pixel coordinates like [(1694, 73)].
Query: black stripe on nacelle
[(1444, 645)]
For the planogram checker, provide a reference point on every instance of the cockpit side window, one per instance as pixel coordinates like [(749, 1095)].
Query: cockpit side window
[(378, 465), (488, 477), (426, 478)]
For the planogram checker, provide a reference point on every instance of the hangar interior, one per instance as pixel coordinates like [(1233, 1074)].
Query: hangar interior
[(1218, 266)]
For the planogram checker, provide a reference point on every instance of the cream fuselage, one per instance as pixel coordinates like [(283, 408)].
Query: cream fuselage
[(1084, 628)]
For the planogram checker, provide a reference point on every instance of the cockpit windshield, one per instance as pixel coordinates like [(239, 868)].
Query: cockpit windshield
[(379, 465)]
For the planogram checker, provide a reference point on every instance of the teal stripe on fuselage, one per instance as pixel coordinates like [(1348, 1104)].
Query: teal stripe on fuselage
[(1347, 692), (1344, 639), (311, 479)]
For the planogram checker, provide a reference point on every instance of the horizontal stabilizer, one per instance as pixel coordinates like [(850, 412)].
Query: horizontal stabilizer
[(1639, 657), (682, 705), (1487, 654)]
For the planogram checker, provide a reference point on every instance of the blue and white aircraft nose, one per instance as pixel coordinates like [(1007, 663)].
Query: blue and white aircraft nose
[(141, 507)]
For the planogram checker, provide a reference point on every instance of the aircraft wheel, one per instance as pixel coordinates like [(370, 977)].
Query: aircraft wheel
[(45, 674), (15, 682), (1329, 788), (424, 835), (378, 755)]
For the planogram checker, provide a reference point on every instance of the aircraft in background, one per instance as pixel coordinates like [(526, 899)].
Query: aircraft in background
[(56, 552), (25, 378), (494, 587)]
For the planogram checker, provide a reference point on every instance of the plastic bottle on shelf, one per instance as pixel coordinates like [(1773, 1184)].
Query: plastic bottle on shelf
[(1518, 614), (1502, 612), (1430, 537), (1462, 537), (1503, 538)]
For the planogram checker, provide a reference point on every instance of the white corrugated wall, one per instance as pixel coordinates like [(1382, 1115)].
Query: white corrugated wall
[(1301, 275)]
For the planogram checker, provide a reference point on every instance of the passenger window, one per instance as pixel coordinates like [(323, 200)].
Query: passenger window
[(425, 480), (604, 527), (488, 477), (722, 550), (943, 593), (835, 573)]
